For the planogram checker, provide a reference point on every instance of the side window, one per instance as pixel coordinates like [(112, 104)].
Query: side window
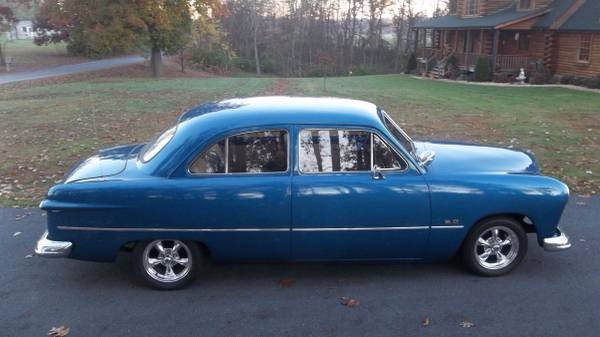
[(345, 151), (334, 151), (264, 151), (384, 157), (211, 160), (255, 152)]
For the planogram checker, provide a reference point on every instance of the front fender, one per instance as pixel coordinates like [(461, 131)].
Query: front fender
[(458, 203)]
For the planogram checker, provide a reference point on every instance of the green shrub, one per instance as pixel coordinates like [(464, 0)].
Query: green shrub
[(452, 70), (411, 65), (483, 70), (593, 83), (364, 69)]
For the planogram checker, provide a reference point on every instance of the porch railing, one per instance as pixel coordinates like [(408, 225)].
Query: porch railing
[(513, 61), (467, 60), (426, 53)]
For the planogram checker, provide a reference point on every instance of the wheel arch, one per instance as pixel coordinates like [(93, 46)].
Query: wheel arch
[(522, 219), (129, 245)]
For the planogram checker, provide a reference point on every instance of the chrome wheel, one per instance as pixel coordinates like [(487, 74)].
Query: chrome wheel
[(497, 247), (167, 260)]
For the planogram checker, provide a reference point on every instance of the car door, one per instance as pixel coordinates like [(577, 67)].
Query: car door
[(344, 210), (237, 195)]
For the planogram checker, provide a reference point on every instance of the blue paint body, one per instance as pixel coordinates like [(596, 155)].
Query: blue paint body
[(304, 216)]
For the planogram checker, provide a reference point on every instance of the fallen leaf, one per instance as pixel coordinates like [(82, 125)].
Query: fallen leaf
[(17, 234), (28, 256), (350, 302), (286, 282), (467, 324), (426, 321), (60, 331), (581, 240)]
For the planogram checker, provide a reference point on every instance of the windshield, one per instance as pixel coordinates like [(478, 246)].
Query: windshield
[(400, 135), (154, 147)]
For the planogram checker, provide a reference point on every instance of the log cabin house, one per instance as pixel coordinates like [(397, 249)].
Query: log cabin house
[(560, 36)]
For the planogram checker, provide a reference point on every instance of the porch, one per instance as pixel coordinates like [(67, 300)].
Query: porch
[(467, 61), (508, 50)]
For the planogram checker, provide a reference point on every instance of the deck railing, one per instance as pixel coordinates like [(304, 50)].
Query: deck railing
[(467, 60), (513, 61)]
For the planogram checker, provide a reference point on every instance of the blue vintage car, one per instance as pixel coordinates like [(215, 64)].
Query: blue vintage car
[(300, 179)]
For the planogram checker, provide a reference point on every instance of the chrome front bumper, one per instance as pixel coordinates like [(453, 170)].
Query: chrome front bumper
[(557, 243), (50, 248)]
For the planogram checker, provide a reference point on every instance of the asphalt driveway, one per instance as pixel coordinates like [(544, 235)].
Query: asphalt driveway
[(550, 294), (69, 69)]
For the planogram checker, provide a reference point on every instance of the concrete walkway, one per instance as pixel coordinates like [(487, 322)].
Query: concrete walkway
[(69, 69)]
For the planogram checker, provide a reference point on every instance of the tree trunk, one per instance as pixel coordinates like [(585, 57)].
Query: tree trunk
[(256, 57), (255, 18), (2, 57), (181, 61), (156, 62)]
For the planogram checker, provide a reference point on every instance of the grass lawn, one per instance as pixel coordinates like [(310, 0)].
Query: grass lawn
[(28, 56), (44, 129)]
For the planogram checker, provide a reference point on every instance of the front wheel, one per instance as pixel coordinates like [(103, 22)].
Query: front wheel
[(166, 264), (494, 247)]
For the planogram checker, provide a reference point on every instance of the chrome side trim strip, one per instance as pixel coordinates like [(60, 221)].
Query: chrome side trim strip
[(132, 229), (447, 227), (326, 229), (307, 229)]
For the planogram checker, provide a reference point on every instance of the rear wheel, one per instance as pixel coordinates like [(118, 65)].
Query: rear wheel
[(166, 264), (494, 247)]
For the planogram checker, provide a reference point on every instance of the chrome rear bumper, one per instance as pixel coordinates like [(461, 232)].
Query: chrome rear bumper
[(50, 248), (557, 243)]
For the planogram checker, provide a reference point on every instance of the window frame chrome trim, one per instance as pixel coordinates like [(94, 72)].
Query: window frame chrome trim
[(226, 138), (366, 129)]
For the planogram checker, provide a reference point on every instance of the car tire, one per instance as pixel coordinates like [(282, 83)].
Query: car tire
[(494, 247), (167, 264)]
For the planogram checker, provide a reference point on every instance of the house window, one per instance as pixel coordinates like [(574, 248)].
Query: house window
[(428, 38), (585, 46), (523, 42), (24, 29), (452, 6), (526, 4), (471, 7)]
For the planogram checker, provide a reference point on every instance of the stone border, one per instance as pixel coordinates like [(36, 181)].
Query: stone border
[(510, 85)]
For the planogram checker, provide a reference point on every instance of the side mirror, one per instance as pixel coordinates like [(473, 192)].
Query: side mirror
[(426, 157), (376, 173)]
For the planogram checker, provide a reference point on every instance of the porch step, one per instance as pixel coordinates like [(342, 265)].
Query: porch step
[(438, 71)]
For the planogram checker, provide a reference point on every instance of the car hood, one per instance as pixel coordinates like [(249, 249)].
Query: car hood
[(107, 162), (463, 157)]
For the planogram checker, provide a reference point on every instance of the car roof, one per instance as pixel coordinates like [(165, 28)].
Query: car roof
[(257, 111), (203, 124)]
